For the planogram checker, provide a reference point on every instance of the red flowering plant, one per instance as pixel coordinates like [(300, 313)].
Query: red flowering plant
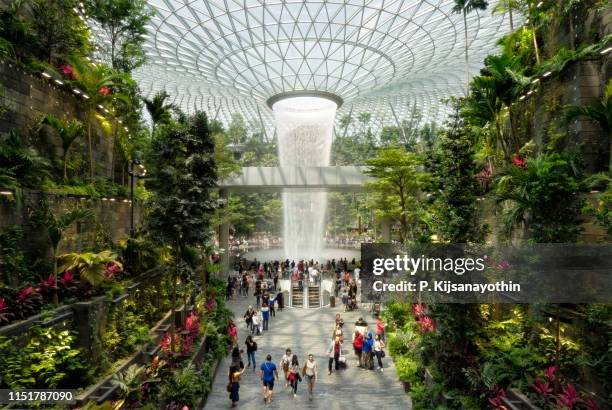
[(5, 314), (426, 324), (68, 71), (418, 310), (192, 325), (46, 287), (26, 303), (569, 397), (104, 90), (495, 401), (518, 161), (112, 269)]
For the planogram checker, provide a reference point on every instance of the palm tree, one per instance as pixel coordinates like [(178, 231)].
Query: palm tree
[(464, 7), (96, 81), (55, 226), (68, 132), (599, 111), (159, 111), (507, 6)]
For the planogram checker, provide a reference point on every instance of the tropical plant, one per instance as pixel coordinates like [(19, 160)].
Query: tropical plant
[(58, 30), (182, 175), (50, 359), (21, 165), (55, 226), (96, 81), (456, 213), (507, 6), (543, 193), (15, 32), (68, 132), (138, 253), (600, 111), (129, 381), (397, 189), (93, 267), (464, 7), (159, 111), (124, 24)]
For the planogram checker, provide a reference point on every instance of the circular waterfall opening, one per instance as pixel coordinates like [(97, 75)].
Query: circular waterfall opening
[(304, 127)]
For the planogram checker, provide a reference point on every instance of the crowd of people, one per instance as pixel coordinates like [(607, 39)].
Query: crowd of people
[(261, 280)]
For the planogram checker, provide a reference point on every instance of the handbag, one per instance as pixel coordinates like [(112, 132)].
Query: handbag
[(229, 387), (382, 353), (342, 359)]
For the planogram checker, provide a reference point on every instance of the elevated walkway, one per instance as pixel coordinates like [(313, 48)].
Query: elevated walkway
[(274, 179)]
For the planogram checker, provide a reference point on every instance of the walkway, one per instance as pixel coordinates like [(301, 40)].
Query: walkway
[(309, 330)]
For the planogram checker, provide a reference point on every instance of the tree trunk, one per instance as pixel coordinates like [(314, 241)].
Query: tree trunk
[(113, 151), (535, 44), (467, 58), (91, 160), (65, 159), (572, 31), (55, 290), (511, 17)]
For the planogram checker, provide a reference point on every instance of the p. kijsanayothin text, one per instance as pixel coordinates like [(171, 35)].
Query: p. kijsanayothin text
[(446, 286)]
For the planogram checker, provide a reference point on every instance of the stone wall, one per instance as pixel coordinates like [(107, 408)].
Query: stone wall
[(27, 97), (111, 219)]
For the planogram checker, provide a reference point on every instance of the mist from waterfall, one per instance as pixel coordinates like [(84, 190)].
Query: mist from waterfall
[(304, 127)]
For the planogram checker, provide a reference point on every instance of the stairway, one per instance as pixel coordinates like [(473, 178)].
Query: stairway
[(314, 296), (297, 296)]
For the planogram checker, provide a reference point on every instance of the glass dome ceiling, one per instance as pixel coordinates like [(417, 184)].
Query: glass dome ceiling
[(385, 57)]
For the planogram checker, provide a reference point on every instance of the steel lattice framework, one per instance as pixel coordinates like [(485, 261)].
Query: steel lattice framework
[(385, 57)]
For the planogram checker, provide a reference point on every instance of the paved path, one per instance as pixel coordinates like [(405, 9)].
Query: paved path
[(309, 330)]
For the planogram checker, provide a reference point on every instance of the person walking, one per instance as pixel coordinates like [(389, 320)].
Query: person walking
[(234, 384), (285, 363), (248, 317), (358, 346), (380, 329), (232, 331), (268, 374), (311, 372), (334, 352), (338, 333), (379, 344), (294, 374), (257, 322), (265, 313), (271, 305), (251, 347), (366, 355)]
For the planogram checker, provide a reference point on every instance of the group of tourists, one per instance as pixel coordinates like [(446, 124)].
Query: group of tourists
[(368, 344)]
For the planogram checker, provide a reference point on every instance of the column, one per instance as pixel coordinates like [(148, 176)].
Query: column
[(224, 238), (386, 230)]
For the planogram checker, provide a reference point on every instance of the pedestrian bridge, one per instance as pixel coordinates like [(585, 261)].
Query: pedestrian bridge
[(274, 179)]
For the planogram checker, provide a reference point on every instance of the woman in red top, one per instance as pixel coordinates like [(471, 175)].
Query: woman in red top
[(380, 329), (358, 345), (232, 330), (347, 277)]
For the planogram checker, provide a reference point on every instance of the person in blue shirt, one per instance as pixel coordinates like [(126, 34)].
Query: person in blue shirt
[(268, 374), (366, 350)]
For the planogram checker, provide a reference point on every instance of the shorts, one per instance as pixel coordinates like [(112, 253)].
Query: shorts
[(269, 385), (309, 378)]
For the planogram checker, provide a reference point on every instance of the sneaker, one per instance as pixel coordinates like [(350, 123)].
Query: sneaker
[(294, 395), (381, 369)]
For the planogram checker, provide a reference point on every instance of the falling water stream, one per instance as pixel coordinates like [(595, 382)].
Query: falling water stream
[(304, 127)]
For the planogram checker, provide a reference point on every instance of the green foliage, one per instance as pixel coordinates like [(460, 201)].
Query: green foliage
[(123, 23), (13, 263), (16, 33), (407, 369), (21, 165), (68, 132), (159, 111), (90, 266), (138, 253), (397, 188), (182, 173), (58, 30), (455, 204), (48, 360), (544, 195), (184, 387)]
